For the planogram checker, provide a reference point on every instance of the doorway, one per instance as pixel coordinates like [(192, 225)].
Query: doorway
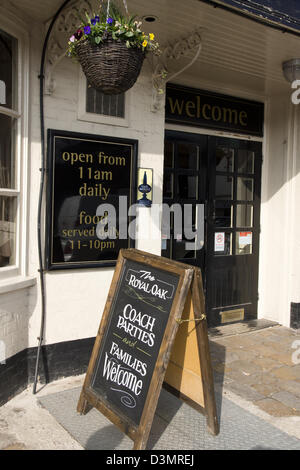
[(220, 180)]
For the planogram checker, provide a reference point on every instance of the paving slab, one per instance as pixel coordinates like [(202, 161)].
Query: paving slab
[(176, 426)]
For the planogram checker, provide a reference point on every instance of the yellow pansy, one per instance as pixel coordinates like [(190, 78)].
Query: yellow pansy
[(151, 36), (145, 43)]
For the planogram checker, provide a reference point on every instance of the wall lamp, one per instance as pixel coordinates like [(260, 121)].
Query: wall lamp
[(291, 70)]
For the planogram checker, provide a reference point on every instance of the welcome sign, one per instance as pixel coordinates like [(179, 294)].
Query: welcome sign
[(193, 107), (147, 298), (137, 325)]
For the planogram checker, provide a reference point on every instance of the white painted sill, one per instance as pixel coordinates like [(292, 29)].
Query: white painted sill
[(16, 283)]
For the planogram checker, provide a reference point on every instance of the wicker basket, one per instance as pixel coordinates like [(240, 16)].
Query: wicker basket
[(111, 67)]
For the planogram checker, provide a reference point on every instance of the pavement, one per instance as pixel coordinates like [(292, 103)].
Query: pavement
[(257, 383)]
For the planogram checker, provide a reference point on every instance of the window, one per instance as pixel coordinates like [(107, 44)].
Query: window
[(12, 149), (108, 105), (94, 106)]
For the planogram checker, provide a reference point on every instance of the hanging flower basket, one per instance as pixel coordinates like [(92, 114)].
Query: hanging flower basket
[(112, 67), (111, 49)]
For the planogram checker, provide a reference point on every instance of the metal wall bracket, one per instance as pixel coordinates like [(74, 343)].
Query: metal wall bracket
[(161, 65)]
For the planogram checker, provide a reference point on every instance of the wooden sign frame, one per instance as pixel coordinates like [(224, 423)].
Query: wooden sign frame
[(90, 398)]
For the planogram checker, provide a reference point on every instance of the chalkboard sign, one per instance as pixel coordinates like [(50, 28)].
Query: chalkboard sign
[(90, 179), (134, 341)]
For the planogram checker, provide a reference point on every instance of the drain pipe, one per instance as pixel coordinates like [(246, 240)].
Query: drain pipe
[(42, 182)]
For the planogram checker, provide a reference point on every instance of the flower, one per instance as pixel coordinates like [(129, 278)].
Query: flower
[(78, 34), (94, 29)]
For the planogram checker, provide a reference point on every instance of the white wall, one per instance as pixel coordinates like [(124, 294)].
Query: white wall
[(75, 298), (279, 277)]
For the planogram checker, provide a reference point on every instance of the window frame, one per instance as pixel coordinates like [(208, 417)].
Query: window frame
[(83, 115), (16, 28)]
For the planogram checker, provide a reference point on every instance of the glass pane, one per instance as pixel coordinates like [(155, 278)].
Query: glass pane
[(223, 243), (224, 187), (245, 161), (108, 105), (224, 159), (8, 207), (244, 215), (187, 187), (181, 249), (223, 214), (7, 158), (243, 244), (8, 70), (187, 156), (166, 248), (169, 155), (168, 185), (244, 189)]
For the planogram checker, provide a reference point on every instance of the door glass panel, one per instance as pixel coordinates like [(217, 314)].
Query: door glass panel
[(187, 157), (187, 187), (169, 155), (243, 245), (166, 247), (224, 159), (168, 185), (223, 243), (245, 161), (182, 249), (223, 214), (244, 189), (244, 215), (8, 209), (224, 187), (8, 70)]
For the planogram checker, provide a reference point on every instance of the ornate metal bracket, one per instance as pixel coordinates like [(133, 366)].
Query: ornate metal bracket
[(160, 66), (65, 26)]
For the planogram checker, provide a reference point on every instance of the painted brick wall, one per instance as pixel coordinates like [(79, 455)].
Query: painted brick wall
[(14, 319)]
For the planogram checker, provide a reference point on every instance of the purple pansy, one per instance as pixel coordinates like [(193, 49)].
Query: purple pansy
[(87, 30), (110, 20), (93, 21), (97, 18)]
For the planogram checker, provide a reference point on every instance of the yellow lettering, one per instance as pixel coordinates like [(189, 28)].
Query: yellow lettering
[(176, 107), (228, 115), (190, 105), (243, 115), (219, 116), (208, 106)]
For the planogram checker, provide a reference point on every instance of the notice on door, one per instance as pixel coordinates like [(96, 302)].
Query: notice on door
[(220, 241)]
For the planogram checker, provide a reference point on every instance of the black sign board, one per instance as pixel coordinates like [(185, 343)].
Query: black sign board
[(192, 107), (91, 184), (134, 341), (137, 324)]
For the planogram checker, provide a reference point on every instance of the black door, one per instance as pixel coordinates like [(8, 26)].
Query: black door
[(224, 175)]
